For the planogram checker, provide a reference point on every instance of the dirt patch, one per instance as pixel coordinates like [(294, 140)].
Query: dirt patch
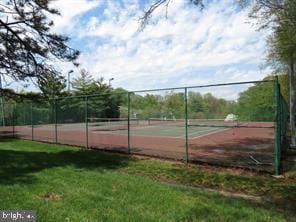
[(50, 196)]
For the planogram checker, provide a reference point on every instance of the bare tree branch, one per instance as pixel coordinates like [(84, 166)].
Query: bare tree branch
[(147, 14)]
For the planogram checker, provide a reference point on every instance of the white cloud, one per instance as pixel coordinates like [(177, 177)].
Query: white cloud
[(168, 51), (69, 10)]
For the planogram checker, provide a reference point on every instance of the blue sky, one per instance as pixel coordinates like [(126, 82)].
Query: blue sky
[(189, 47)]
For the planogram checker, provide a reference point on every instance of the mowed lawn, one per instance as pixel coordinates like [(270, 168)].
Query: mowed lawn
[(71, 184)]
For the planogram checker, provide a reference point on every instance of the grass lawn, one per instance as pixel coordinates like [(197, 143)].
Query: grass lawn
[(69, 184)]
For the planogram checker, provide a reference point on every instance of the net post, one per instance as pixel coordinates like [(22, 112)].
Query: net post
[(186, 123), (32, 123), (55, 120), (128, 122), (277, 128), (86, 122)]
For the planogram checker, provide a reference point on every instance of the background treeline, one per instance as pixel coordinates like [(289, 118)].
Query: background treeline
[(257, 103), (172, 106)]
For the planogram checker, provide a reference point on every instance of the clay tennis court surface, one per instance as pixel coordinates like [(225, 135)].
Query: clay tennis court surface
[(247, 147)]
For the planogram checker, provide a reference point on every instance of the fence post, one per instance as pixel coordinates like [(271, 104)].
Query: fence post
[(277, 128), (55, 120), (2, 107), (281, 118), (86, 121), (186, 123), (13, 119), (32, 122), (128, 123)]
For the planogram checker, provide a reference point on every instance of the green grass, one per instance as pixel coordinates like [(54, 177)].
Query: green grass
[(238, 181), (69, 184)]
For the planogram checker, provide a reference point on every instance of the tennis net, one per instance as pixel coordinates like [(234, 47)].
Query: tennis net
[(93, 121), (193, 122)]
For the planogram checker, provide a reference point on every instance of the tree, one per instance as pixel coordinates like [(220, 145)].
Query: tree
[(27, 45), (82, 84), (104, 101), (146, 106), (257, 103), (52, 85), (85, 84), (119, 103), (281, 17), (195, 106), (173, 105)]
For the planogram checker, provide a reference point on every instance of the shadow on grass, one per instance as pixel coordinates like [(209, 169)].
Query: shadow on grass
[(6, 134), (19, 166)]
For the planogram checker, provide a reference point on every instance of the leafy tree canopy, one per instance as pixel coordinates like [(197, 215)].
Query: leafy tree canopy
[(52, 85), (85, 84), (27, 44)]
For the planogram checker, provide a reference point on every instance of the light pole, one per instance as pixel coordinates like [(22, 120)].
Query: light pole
[(110, 81), (71, 71)]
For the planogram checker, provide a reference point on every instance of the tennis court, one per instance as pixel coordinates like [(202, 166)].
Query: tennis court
[(248, 145), (224, 124), (152, 127), (155, 128)]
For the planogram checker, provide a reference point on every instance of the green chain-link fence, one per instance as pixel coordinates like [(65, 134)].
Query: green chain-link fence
[(281, 126), (235, 124)]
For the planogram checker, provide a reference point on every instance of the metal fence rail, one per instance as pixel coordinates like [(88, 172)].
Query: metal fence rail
[(189, 123)]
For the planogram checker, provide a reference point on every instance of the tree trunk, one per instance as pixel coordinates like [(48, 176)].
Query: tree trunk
[(292, 102)]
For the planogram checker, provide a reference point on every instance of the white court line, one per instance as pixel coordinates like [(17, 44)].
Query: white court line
[(182, 137), (198, 133), (216, 131)]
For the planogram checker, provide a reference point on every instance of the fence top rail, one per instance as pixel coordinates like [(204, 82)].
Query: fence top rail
[(171, 88), (89, 95), (202, 86)]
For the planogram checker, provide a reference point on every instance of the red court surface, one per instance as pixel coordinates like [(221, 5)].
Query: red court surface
[(237, 147)]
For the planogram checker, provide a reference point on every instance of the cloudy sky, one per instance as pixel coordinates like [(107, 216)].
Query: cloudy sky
[(188, 47)]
